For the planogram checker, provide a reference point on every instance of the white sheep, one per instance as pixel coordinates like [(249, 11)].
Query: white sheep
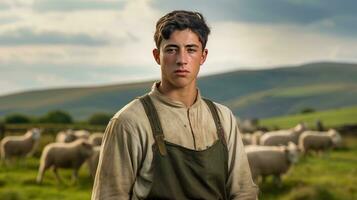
[(246, 138), (71, 135), (96, 138), (82, 134), (93, 161), (271, 160), (64, 155), (256, 137), (66, 136), (20, 146), (319, 141), (282, 137)]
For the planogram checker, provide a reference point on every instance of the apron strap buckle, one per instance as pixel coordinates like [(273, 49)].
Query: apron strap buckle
[(161, 144)]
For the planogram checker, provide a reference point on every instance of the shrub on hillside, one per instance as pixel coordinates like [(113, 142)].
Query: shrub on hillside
[(57, 117), (99, 119), (307, 110), (17, 119)]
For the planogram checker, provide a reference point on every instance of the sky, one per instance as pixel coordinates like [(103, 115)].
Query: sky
[(65, 43)]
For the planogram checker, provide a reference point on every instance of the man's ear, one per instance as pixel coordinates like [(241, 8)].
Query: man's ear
[(156, 54), (204, 56)]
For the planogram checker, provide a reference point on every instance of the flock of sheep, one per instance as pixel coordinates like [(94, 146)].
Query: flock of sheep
[(273, 153), (270, 153), (70, 150)]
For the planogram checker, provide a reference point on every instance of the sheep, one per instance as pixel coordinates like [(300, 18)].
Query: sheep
[(70, 135), (246, 138), (256, 137), (64, 155), (96, 139), (271, 160), (319, 141), (282, 137), (20, 146), (92, 161), (83, 134), (66, 136)]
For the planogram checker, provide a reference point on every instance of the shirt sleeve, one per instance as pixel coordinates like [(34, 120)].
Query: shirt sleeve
[(118, 162), (240, 184)]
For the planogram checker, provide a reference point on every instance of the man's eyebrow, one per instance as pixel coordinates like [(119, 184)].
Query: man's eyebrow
[(171, 45), (177, 46), (192, 45)]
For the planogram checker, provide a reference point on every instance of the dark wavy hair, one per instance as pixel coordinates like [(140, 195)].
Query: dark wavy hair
[(181, 20)]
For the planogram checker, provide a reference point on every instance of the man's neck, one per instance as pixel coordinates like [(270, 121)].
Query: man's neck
[(186, 95)]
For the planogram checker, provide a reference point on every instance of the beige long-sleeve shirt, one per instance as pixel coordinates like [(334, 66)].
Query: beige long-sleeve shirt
[(125, 165)]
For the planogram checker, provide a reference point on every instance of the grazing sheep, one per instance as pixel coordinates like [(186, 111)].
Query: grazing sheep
[(319, 141), (64, 155), (282, 137), (96, 139), (82, 134), (66, 136), (246, 138), (20, 146), (271, 160), (256, 137), (70, 135), (93, 161)]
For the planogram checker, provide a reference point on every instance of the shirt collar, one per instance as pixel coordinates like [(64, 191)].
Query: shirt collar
[(170, 102)]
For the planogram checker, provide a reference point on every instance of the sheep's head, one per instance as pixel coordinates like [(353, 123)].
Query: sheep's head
[(70, 137), (292, 152), (36, 133), (301, 127), (86, 149), (336, 137)]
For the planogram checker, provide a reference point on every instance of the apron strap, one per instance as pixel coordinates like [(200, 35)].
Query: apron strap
[(154, 122), (217, 121)]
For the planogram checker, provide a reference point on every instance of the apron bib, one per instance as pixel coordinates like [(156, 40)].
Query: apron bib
[(182, 173)]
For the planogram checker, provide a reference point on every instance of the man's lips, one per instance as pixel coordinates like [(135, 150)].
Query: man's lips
[(181, 72)]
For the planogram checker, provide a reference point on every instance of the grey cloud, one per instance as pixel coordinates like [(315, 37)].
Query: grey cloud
[(26, 36), (343, 13), (75, 5), (4, 6), (8, 20), (339, 25)]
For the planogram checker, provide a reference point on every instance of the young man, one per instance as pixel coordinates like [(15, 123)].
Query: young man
[(172, 143)]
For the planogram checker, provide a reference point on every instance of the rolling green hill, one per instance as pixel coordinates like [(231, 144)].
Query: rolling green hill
[(330, 118), (249, 93)]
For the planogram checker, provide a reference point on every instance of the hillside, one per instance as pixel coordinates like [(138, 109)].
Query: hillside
[(330, 118), (249, 93)]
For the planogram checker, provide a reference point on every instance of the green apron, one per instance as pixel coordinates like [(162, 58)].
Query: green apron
[(182, 173)]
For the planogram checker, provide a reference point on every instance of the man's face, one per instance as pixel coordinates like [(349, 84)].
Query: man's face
[(180, 58)]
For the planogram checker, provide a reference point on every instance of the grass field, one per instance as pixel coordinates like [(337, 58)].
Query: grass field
[(329, 177), (330, 118), (17, 182)]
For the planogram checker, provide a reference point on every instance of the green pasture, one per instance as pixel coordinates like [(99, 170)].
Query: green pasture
[(18, 182), (330, 176), (330, 118)]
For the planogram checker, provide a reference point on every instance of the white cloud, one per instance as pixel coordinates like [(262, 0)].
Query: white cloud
[(129, 32), (253, 45)]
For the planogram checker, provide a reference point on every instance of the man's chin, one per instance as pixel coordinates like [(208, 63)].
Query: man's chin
[(181, 82)]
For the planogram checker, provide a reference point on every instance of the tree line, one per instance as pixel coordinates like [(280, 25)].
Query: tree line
[(56, 117)]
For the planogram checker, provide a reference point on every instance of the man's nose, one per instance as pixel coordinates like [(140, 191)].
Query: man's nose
[(181, 58)]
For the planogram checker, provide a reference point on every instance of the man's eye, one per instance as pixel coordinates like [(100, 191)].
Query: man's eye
[(191, 50), (170, 50)]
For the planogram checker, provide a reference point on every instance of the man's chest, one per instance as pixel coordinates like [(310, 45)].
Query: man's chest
[(190, 128)]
